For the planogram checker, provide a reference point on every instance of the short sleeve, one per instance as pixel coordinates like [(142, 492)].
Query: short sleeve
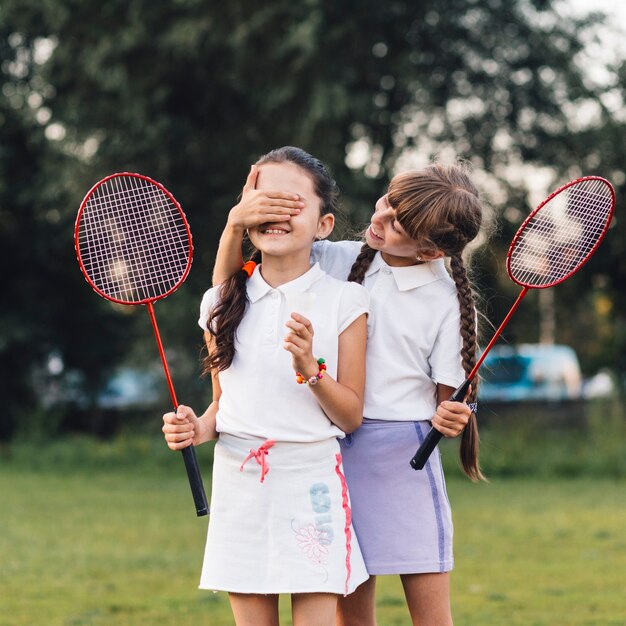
[(336, 257), (445, 358), (209, 300), (354, 302)]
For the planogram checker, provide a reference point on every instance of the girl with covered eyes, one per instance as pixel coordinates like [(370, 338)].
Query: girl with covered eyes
[(286, 352), (422, 342)]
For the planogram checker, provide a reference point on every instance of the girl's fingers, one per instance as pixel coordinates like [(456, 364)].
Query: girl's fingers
[(297, 327), (177, 428), (268, 211), (174, 419), (284, 203), (455, 425), (449, 427), (250, 183), (274, 217), (257, 207), (283, 195), (302, 320), (449, 424), (268, 199), (302, 333), (291, 347), (179, 445), (185, 413), (297, 343), (178, 437), (455, 408), (265, 214), (446, 432), (454, 420)]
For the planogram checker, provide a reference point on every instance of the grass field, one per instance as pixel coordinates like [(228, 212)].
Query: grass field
[(121, 546)]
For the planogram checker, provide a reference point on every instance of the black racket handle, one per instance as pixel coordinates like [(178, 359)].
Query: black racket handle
[(434, 436), (195, 481)]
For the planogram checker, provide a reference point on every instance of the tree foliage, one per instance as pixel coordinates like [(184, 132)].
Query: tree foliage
[(191, 92)]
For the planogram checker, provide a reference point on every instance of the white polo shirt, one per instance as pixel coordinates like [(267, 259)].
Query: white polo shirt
[(414, 337), (260, 396)]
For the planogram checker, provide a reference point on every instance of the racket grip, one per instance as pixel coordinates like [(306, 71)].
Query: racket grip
[(425, 450), (195, 481), (434, 436)]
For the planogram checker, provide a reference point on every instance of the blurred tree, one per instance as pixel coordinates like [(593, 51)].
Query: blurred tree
[(45, 313), (191, 93)]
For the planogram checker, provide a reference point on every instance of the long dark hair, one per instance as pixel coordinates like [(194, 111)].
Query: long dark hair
[(439, 207), (229, 311)]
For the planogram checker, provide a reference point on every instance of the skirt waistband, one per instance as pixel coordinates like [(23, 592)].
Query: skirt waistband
[(280, 453), (378, 422)]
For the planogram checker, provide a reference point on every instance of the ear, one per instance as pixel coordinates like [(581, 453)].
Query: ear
[(431, 255), (325, 226)]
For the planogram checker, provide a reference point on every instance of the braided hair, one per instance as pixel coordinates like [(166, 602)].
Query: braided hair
[(361, 263)]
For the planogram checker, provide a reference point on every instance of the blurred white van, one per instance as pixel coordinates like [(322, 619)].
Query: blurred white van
[(530, 372)]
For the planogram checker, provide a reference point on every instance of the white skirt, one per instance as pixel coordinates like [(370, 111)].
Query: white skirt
[(280, 520)]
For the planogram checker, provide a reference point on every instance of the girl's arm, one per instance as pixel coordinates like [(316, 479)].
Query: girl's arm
[(183, 428), (451, 417), (229, 258), (341, 399), (256, 207)]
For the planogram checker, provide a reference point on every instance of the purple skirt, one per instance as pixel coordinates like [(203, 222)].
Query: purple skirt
[(401, 517)]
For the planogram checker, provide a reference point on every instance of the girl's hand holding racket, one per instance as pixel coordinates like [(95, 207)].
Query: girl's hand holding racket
[(550, 246), (299, 341), (134, 247), (181, 428), (184, 428), (258, 206), (451, 418)]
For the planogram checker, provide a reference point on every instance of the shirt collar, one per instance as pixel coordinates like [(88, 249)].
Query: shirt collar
[(411, 276), (256, 286)]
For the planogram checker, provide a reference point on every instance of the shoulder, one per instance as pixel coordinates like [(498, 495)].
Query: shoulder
[(336, 257), (446, 287), (443, 299), (342, 289), (354, 290), (340, 295), (210, 296), (442, 286), (350, 300), (349, 293), (337, 248), (208, 302)]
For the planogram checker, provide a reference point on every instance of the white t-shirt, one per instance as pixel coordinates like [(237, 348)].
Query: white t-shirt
[(260, 396), (414, 334)]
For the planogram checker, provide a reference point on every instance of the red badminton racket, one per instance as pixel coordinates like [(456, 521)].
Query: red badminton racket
[(134, 247), (551, 245)]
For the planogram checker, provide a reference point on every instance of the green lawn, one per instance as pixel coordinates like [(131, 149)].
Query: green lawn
[(123, 547)]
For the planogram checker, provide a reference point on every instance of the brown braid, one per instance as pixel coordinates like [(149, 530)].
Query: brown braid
[(469, 440), (361, 263)]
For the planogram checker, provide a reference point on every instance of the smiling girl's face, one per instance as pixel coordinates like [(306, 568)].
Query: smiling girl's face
[(385, 234), (295, 236)]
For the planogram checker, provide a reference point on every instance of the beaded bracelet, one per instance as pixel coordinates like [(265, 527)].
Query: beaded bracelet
[(301, 380)]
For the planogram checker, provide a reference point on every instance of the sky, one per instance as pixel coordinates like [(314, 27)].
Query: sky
[(612, 37)]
